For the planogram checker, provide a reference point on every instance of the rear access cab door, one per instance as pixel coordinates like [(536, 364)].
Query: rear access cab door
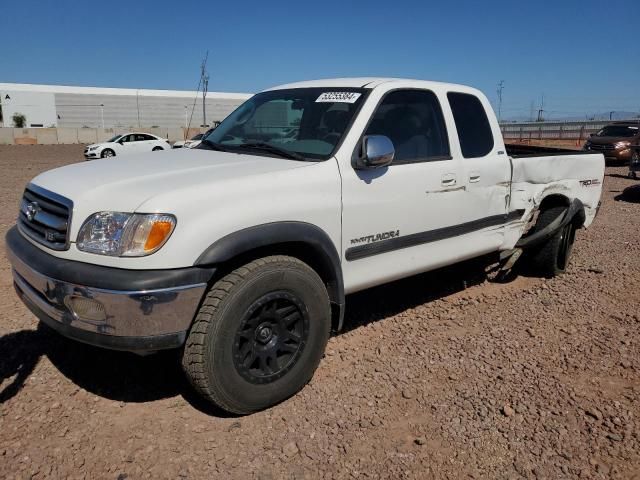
[(433, 206)]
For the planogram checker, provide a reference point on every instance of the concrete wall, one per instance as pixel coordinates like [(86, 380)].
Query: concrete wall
[(54, 136)]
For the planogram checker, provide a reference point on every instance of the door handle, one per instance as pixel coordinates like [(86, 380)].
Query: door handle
[(448, 179), (474, 177)]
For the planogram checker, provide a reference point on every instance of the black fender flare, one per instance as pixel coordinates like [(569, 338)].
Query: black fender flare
[(271, 234), (575, 209)]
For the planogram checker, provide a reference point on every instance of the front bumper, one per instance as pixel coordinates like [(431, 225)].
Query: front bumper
[(91, 154), (133, 310), (620, 156)]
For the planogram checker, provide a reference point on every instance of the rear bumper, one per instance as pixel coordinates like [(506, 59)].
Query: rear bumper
[(137, 311)]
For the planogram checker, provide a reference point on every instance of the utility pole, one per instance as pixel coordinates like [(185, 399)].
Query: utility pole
[(541, 110), (500, 89), (138, 105), (204, 77), (611, 115)]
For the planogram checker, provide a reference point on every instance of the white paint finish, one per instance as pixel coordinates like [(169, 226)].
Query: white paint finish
[(210, 193), (535, 178), (213, 194)]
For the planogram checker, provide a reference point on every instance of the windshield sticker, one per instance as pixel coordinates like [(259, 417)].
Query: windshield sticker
[(338, 97)]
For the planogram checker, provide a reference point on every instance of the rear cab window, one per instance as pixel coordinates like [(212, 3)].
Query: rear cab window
[(472, 124)]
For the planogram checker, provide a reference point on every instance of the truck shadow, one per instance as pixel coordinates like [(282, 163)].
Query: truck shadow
[(114, 375), (630, 194), (127, 377), (386, 300)]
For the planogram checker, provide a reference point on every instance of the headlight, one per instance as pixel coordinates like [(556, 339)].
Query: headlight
[(125, 234), (620, 145), (93, 148)]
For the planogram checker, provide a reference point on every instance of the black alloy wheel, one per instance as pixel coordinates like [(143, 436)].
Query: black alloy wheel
[(271, 337)]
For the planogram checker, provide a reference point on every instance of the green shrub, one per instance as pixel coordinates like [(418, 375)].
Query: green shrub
[(19, 120)]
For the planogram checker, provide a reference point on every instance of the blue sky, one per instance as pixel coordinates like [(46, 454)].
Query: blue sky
[(581, 54)]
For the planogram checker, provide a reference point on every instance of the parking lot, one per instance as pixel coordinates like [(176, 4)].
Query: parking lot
[(444, 375)]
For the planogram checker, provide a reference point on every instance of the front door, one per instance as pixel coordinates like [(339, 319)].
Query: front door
[(394, 217)]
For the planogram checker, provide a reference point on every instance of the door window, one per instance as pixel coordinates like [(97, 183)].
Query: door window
[(413, 121)]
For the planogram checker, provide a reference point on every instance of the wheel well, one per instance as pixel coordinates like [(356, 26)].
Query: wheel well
[(558, 200), (305, 252)]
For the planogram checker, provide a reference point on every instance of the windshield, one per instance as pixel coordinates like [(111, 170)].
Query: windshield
[(197, 137), (618, 131), (306, 122), (114, 139)]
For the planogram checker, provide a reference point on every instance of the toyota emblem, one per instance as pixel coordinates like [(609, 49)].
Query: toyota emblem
[(32, 209)]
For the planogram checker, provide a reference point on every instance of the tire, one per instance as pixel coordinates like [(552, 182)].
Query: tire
[(107, 152), (156, 149), (635, 159), (552, 257), (259, 335)]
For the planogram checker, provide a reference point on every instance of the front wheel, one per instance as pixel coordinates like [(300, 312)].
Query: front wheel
[(259, 335), (552, 257), (107, 152), (156, 149)]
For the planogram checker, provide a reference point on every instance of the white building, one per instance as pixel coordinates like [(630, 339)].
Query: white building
[(66, 106)]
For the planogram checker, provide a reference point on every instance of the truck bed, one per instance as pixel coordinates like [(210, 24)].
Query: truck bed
[(538, 172), (516, 150)]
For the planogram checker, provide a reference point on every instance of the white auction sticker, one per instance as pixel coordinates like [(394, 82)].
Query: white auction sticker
[(339, 97)]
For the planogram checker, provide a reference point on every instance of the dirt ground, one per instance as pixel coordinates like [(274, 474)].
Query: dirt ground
[(443, 375)]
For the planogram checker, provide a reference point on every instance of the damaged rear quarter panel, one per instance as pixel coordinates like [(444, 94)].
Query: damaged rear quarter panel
[(578, 176)]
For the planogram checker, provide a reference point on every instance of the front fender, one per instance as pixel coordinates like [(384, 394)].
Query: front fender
[(317, 244)]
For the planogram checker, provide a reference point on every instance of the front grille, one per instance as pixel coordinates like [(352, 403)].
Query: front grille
[(45, 217), (601, 147)]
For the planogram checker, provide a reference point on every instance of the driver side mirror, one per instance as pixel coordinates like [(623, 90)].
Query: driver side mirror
[(377, 151)]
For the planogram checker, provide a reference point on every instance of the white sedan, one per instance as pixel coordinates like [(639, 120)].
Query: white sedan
[(125, 144)]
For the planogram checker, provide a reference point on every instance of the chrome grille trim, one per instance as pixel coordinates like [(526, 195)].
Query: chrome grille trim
[(50, 223)]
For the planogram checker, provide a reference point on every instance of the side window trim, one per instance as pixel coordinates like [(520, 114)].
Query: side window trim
[(436, 158)]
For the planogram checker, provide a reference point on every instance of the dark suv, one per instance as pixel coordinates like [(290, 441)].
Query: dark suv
[(615, 141)]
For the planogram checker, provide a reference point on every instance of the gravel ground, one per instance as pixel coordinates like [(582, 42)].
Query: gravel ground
[(444, 375)]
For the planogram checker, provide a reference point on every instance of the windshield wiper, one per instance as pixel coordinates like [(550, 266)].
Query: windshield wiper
[(267, 147), (212, 145)]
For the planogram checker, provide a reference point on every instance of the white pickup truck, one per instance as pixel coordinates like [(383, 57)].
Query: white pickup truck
[(241, 252)]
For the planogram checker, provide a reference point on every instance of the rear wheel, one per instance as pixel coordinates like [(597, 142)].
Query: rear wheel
[(552, 257), (107, 152), (259, 335)]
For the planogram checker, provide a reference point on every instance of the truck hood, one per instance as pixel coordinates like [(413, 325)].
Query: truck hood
[(124, 183)]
